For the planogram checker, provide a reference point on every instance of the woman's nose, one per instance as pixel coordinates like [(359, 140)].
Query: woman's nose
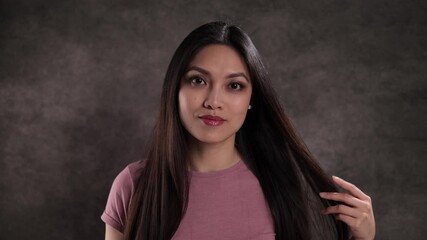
[(213, 99)]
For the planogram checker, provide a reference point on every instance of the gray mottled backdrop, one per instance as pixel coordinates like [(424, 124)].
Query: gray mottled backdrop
[(80, 83)]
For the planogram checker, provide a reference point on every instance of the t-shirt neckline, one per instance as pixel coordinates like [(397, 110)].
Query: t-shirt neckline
[(218, 173)]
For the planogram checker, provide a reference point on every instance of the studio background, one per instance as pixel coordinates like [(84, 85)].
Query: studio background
[(80, 85)]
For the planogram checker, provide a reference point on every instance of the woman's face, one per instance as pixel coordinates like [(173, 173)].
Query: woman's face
[(214, 94)]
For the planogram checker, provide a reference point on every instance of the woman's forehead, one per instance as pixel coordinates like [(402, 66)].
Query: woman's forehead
[(218, 58)]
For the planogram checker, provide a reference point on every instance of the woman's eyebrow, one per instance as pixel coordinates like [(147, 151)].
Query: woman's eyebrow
[(206, 72)]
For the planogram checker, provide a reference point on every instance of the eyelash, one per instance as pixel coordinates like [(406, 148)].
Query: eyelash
[(240, 86), (191, 79)]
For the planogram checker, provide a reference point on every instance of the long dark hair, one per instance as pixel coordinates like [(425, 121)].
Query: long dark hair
[(289, 175)]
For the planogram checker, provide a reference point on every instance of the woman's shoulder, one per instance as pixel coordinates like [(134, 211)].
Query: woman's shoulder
[(130, 174), (121, 192)]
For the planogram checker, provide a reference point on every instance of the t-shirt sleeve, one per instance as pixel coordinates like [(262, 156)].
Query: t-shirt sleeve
[(116, 210)]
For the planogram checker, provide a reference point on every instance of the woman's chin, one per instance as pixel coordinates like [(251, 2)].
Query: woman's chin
[(213, 139)]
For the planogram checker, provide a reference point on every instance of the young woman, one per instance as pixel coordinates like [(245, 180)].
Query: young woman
[(224, 160)]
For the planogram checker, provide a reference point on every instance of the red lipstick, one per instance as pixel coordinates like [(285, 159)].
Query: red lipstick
[(212, 120)]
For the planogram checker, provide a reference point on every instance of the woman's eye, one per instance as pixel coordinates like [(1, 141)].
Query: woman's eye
[(197, 81), (236, 86)]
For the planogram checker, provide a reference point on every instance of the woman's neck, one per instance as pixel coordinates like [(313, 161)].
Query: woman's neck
[(209, 157)]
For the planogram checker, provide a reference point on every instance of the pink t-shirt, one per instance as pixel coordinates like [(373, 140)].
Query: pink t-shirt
[(226, 204)]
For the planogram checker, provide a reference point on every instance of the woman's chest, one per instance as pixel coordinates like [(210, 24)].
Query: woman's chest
[(226, 209)]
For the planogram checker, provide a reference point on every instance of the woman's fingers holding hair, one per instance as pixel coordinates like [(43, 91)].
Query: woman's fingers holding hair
[(351, 188), (343, 197), (356, 211), (342, 209)]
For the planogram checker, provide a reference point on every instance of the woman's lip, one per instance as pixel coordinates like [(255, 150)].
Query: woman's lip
[(212, 120), (210, 117)]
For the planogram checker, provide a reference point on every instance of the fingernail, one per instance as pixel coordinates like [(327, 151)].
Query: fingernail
[(335, 177), (322, 194)]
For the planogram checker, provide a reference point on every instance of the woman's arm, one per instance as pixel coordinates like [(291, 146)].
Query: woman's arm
[(112, 234), (356, 211)]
